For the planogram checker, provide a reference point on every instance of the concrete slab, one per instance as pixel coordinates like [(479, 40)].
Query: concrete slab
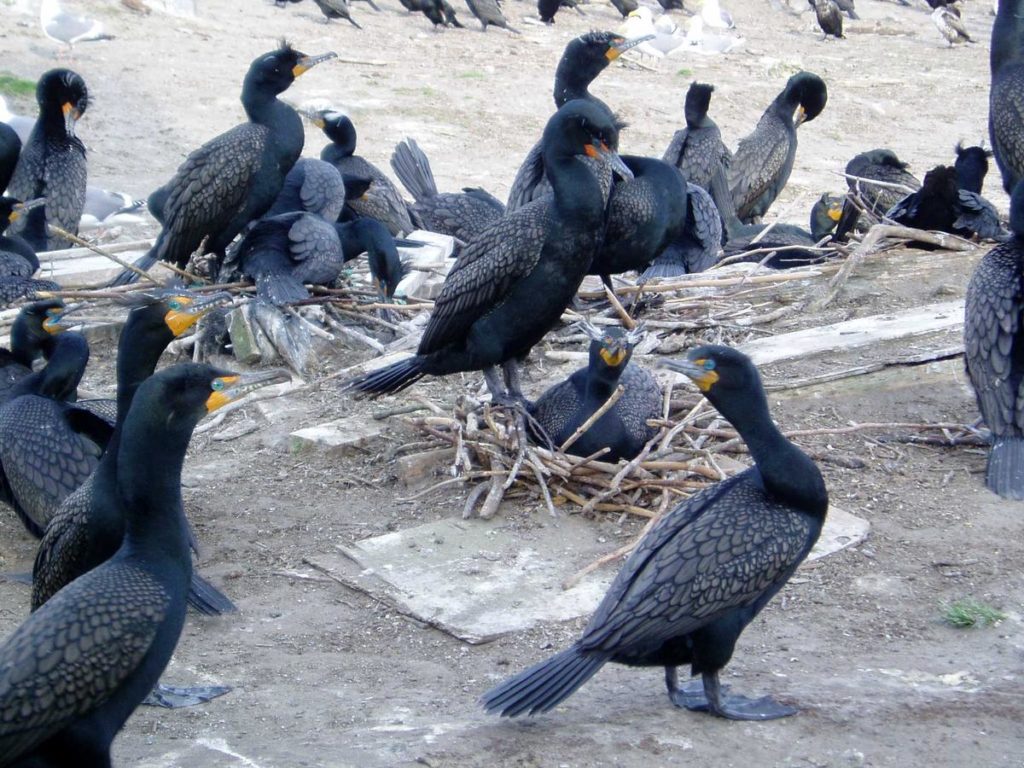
[(480, 579), (336, 438)]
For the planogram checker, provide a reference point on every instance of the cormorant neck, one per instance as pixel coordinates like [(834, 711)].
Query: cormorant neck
[(784, 106), (1007, 35), (576, 190), (343, 138), (602, 379), (137, 355), (970, 176)]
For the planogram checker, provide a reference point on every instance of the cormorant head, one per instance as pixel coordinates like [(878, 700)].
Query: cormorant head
[(172, 310), (12, 209), (971, 167), (825, 214), (810, 94), (337, 126), (612, 347), (698, 99), (63, 98), (274, 72), (718, 371), (884, 157), (585, 127), (356, 186), (585, 57), (37, 322)]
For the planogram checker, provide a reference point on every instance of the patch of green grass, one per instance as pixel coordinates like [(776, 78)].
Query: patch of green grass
[(969, 612), (12, 85), (471, 75), (684, 72)]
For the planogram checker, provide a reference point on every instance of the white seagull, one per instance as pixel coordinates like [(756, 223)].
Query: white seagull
[(67, 28)]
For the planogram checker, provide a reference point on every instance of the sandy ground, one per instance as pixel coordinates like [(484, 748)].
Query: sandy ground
[(327, 677)]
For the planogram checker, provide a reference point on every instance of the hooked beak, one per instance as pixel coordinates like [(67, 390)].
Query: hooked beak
[(622, 45), (52, 324), (801, 116), (306, 63), (71, 115), (22, 208), (701, 376), (613, 357), (314, 116), (835, 212), (180, 320), (228, 389), (602, 151)]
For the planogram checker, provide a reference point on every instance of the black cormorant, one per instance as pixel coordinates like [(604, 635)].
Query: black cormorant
[(795, 240), (49, 446), (18, 260), (976, 214), (440, 12), (336, 9), (312, 185), (874, 165), (698, 246), (234, 178), (697, 150), (830, 19), (32, 336), (75, 670), (10, 149), (511, 284), (459, 214), (934, 206), (382, 201), (52, 163), (88, 527), (585, 57), (703, 571), (763, 160), (1005, 104), (623, 428), (994, 352), (488, 12)]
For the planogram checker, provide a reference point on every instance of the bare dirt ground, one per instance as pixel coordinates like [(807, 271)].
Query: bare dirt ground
[(324, 676)]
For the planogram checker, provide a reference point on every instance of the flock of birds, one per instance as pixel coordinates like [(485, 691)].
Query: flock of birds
[(113, 574)]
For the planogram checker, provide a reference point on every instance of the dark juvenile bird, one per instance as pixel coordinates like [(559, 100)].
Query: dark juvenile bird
[(875, 165), (585, 57), (10, 149), (88, 527), (18, 260), (282, 253), (336, 9), (830, 19), (511, 284), (462, 215), (763, 160), (372, 238), (48, 445), (74, 671), (698, 150), (947, 20), (994, 352), (934, 206), (698, 246), (440, 12), (975, 213), (32, 337), (382, 201), (52, 163), (1006, 95), (623, 428), (314, 186), (703, 571), (488, 12), (234, 178)]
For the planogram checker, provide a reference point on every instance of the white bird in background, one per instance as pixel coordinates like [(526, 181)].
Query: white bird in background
[(715, 16), (701, 41), (22, 125), (106, 208), (67, 28), (666, 35)]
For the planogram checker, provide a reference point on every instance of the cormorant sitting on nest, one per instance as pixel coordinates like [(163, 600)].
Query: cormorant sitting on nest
[(994, 352), (461, 215), (99, 645), (763, 160), (703, 571), (18, 260), (514, 280), (488, 12), (623, 428), (234, 178), (382, 200), (874, 165), (795, 243), (52, 163), (829, 17), (934, 206), (1005, 106), (585, 57)]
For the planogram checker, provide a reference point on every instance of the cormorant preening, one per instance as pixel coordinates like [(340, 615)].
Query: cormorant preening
[(623, 428), (994, 352), (312, 185), (763, 160), (874, 165), (18, 261), (372, 238), (585, 57), (48, 445), (511, 284), (488, 12), (830, 19), (32, 336), (703, 571), (976, 214), (462, 215), (698, 246), (1005, 105), (234, 178), (382, 200), (88, 527), (336, 9), (10, 149), (946, 19), (52, 162), (74, 671)]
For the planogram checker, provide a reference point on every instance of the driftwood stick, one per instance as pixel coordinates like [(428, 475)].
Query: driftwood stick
[(605, 407)]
